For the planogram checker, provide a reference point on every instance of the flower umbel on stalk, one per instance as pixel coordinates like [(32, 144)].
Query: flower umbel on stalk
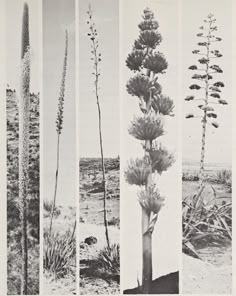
[(96, 58), (24, 109), (206, 73), (148, 127), (59, 126)]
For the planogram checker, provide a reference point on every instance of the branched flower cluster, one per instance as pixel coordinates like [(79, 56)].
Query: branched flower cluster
[(148, 63)]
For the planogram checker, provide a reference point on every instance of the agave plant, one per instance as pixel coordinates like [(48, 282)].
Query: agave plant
[(148, 128)]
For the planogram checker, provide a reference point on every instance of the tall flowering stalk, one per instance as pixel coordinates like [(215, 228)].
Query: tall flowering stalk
[(206, 71), (24, 109), (147, 63), (96, 58), (59, 126)]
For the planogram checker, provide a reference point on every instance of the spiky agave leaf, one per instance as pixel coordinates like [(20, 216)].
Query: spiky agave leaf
[(135, 59), (151, 200), (139, 86), (150, 38), (163, 104), (155, 62), (147, 127), (161, 158), (138, 171)]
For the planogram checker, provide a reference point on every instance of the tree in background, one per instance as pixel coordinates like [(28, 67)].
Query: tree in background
[(59, 126), (148, 63), (24, 110), (96, 58), (206, 71)]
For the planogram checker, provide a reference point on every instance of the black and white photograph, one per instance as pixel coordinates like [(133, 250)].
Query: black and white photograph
[(117, 144), (99, 147), (207, 145), (22, 140), (59, 148), (150, 184)]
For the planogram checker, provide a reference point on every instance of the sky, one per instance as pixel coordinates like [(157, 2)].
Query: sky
[(218, 141), (14, 12), (55, 21), (106, 13), (167, 232)]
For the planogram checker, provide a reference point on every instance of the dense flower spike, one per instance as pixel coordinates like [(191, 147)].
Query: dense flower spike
[(211, 90), (138, 171), (59, 120), (147, 127)]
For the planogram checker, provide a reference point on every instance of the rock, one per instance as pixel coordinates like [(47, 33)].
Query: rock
[(91, 240), (83, 245)]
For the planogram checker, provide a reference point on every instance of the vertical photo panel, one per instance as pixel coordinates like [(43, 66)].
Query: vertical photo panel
[(22, 114), (59, 148), (99, 181), (207, 145), (151, 176)]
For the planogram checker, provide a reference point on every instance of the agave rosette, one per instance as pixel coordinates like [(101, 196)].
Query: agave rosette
[(147, 127), (150, 199), (139, 86), (138, 171), (155, 62), (163, 105), (161, 158), (135, 59)]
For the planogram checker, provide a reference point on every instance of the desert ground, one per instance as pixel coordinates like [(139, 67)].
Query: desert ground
[(96, 278)]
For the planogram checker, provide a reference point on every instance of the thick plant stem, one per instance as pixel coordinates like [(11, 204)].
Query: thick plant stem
[(24, 109), (56, 182), (147, 253)]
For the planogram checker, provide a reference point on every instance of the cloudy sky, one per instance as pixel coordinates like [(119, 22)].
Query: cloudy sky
[(59, 15), (106, 14)]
